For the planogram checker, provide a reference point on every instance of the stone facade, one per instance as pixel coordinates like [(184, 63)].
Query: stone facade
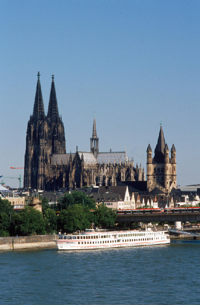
[(161, 170), (17, 202), (49, 167)]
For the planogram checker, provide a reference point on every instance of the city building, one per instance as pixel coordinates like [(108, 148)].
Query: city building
[(17, 201)]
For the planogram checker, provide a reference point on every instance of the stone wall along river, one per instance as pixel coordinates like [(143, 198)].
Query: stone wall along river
[(27, 242)]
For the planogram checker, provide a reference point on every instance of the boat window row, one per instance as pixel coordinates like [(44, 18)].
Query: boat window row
[(155, 234), (137, 239), (133, 234), (115, 241), (83, 236), (141, 234)]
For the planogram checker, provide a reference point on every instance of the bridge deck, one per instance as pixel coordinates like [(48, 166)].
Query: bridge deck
[(156, 217)]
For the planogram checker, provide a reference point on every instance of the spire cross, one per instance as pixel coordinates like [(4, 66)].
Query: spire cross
[(38, 75), (52, 77)]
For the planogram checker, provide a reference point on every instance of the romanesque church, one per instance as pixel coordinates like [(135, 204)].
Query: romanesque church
[(161, 169), (49, 167)]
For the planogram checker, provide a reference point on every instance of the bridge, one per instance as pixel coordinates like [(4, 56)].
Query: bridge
[(162, 217)]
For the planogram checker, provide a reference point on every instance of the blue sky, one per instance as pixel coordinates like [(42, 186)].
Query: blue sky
[(135, 63)]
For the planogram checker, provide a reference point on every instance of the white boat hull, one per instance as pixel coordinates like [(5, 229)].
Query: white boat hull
[(86, 241), (91, 247)]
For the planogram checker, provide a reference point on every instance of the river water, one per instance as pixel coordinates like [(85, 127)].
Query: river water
[(167, 274)]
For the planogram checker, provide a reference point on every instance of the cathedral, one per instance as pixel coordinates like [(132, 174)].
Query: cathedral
[(161, 170), (49, 167)]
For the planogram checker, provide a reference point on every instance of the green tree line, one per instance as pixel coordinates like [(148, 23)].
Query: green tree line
[(75, 211)]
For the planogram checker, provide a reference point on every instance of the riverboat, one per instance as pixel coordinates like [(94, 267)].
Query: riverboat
[(91, 239)]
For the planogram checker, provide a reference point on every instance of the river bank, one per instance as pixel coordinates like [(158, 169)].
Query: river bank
[(46, 242), (27, 242)]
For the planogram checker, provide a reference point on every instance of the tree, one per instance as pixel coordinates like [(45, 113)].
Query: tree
[(45, 204), (104, 217), (82, 198), (6, 207), (74, 218), (50, 219), (6, 217), (4, 224), (65, 201), (75, 197), (29, 221)]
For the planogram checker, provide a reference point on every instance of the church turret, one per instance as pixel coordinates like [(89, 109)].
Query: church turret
[(166, 154), (149, 154), (140, 173), (94, 141), (149, 167), (166, 168), (173, 152), (173, 162)]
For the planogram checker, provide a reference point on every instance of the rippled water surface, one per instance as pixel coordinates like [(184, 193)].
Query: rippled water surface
[(145, 275)]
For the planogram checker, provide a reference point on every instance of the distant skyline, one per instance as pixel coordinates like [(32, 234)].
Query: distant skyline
[(134, 63)]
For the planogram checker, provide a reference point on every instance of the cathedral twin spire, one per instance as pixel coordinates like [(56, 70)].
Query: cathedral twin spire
[(38, 109), (53, 106), (45, 136)]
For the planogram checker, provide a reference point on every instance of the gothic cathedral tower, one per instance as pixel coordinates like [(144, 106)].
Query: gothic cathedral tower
[(161, 170), (45, 136)]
